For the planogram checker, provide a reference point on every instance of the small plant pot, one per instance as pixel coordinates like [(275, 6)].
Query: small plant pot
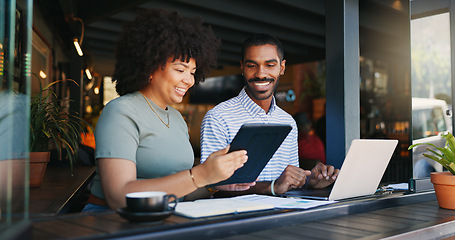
[(444, 187), (38, 164)]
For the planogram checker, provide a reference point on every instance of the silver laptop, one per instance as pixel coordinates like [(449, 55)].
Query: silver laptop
[(360, 174)]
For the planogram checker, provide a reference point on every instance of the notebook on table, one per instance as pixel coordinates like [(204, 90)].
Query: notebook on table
[(219, 206), (360, 174)]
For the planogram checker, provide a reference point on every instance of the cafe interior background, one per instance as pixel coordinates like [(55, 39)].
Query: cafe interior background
[(404, 52)]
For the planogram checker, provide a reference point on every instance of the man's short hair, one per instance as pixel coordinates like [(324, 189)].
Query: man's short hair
[(260, 39)]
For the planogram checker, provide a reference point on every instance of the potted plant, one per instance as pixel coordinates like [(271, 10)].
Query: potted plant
[(52, 126), (443, 182)]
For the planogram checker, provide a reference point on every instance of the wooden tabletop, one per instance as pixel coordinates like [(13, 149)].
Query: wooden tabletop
[(386, 216), (59, 190)]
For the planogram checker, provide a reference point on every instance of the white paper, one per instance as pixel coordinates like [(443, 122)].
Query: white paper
[(220, 206), (246, 203), (399, 186), (280, 202)]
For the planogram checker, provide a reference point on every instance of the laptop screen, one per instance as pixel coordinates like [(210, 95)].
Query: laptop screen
[(361, 172)]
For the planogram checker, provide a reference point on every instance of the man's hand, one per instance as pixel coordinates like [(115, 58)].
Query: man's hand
[(291, 177), (322, 176)]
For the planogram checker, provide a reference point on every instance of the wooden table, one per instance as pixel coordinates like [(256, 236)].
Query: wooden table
[(412, 216), (59, 190)]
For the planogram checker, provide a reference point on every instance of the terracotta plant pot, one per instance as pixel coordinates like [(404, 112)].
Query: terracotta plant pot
[(444, 187), (38, 164)]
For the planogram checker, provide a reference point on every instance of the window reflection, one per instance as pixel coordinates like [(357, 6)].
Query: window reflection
[(427, 123), (431, 88), (15, 59)]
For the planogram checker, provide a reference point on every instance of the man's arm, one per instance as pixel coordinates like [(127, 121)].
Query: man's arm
[(291, 177), (320, 176)]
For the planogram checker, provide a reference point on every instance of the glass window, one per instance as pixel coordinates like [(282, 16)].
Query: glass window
[(430, 57), (431, 79), (428, 122), (15, 61)]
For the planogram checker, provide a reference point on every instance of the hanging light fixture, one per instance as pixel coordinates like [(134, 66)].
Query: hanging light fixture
[(78, 42), (78, 47), (42, 74), (89, 75)]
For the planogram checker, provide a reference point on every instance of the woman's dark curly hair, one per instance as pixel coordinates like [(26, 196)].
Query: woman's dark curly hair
[(152, 38)]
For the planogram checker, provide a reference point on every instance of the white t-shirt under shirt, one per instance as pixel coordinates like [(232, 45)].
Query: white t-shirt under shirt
[(129, 129)]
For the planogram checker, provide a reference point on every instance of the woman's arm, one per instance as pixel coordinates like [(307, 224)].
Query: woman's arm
[(118, 176)]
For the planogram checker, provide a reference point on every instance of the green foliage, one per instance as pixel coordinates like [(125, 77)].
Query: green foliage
[(50, 123), (430, 64), (443, 155), (445, 97)]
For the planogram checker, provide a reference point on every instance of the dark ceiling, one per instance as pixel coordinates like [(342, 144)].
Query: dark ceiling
[(299, 24)]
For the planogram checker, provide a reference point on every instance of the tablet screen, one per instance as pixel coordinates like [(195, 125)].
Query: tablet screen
[(261, 141)]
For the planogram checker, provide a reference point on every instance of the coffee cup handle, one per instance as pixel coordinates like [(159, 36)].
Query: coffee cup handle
[(168, 198)]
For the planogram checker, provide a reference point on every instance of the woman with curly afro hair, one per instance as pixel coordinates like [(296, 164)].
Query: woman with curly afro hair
[(142, 144)]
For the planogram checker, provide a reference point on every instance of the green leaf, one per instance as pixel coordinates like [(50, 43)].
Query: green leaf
[(435, 159), (443, 155), (50, 123), (435, 153), (417, 144), (450, 140), (451, 168)]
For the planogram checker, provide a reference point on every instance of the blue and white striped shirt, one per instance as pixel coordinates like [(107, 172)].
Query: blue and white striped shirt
[(222, 123)]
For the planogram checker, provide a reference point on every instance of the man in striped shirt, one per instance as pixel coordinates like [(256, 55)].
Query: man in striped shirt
[(262, 64)]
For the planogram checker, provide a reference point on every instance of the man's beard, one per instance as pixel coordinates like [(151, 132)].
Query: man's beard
[(256, 94)]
